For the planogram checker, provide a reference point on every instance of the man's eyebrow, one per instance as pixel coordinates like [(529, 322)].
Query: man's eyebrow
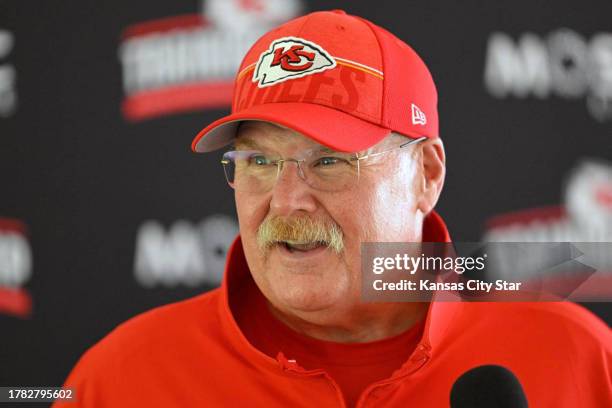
[(249, 143), (324, 149)]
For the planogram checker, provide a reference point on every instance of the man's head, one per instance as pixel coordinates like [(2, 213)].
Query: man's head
[(324, 109), (302, 236)]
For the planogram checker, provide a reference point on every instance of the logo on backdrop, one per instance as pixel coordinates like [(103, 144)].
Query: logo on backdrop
[(8, 76), (184, 253), (290, 58), (188, 62), (15, 268), (563, 63), (586, 217)]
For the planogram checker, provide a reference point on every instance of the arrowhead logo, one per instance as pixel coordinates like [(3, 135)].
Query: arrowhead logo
[(290, 58), (418, 116)]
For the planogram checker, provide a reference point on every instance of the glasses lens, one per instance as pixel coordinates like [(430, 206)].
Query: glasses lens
[(229, 168), (332, 171), (253, 171), (249, 171)]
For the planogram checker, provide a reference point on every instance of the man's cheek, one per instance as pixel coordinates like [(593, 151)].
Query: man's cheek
[(359, 227), (251, 213)]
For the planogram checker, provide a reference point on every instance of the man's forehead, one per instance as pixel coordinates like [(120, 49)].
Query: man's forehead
[(254, 134), (259, 133)]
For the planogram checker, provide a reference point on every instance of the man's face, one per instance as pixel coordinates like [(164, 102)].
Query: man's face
[(381, 206)]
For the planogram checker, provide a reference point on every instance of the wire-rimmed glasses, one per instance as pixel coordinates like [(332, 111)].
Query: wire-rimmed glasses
[(322, 169)]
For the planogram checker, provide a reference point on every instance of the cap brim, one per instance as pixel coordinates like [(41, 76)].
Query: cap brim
[(329, 127)]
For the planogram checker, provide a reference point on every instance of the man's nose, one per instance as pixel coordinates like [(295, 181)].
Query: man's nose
[(291, 193)]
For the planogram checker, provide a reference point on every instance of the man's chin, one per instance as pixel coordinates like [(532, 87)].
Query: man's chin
[(305, 301), (315, 288)]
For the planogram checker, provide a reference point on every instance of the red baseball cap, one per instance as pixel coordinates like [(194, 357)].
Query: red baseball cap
[(338, 79)]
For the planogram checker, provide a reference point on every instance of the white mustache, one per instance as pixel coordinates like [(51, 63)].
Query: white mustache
[(275, 230)]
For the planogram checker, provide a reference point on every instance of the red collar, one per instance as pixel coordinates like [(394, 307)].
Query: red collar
[(237, 275)]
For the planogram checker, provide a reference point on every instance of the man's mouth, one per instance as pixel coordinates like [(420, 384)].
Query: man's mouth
[(300, 246)]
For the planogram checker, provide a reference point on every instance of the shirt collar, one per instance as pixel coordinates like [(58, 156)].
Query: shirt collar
[(237, 274)]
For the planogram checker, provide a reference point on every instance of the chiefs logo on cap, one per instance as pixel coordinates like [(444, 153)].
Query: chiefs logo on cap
[(289, 58)]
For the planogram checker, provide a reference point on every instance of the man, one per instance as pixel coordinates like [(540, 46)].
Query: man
[(335, 142)]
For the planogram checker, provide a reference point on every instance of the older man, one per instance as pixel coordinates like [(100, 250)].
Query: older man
[(335, 142)]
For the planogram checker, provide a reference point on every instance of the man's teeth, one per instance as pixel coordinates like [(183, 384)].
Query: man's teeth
[(302, 246)]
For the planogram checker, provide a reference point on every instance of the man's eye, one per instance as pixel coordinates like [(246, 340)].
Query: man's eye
[(259, 160), (330, 162)]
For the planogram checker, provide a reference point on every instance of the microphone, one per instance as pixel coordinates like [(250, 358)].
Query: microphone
[(490, 386)]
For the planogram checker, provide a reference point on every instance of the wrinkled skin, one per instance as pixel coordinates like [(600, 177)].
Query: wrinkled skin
[(319, 295)]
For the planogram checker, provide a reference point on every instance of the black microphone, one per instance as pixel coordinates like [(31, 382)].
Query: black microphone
[(489, 386)]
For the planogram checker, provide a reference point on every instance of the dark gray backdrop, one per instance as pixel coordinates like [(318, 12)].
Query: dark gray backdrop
[(83, 179)]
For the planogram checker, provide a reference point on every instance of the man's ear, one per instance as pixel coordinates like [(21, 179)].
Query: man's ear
[(433, 162)]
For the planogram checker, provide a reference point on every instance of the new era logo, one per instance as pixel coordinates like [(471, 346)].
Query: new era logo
[(418, 116), (289, 58)]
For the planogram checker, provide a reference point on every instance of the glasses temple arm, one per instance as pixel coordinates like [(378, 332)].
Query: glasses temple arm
[(408, 143)]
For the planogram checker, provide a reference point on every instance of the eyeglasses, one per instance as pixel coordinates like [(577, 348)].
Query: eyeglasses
[(256, 172)]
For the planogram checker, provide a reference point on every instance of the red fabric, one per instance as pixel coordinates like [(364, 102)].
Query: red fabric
[(375, 85), (352, 366), (194, 354), (315, 121)]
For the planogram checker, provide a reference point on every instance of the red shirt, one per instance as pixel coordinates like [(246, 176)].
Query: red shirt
[(194, 354), (353, 366)]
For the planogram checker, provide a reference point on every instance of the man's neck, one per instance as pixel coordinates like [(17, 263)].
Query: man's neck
[(370, 322)]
